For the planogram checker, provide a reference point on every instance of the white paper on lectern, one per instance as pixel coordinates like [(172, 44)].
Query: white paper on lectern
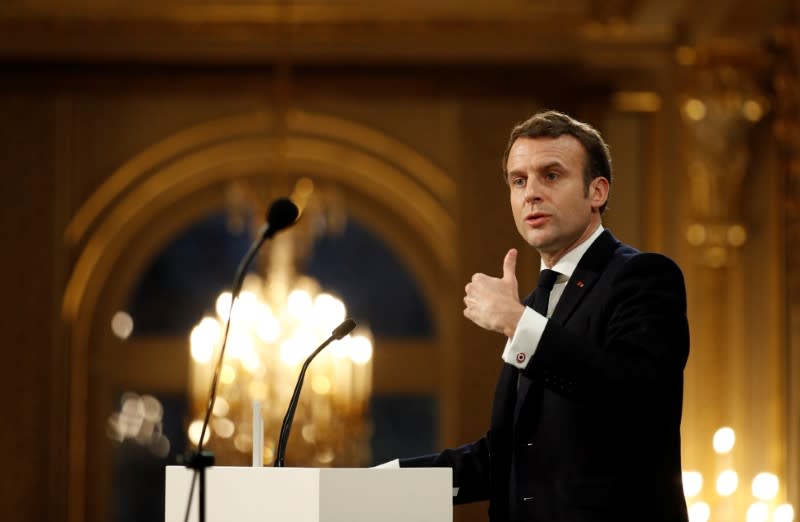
[(315, 495)]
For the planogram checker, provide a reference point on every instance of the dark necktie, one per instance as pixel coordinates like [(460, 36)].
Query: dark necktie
[(547, 279), (541, 299)]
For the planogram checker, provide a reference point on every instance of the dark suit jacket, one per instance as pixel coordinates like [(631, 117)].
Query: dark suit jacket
[(592, 433)]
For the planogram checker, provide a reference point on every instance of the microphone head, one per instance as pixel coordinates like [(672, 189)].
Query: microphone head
[(343, 329), (282, 214)]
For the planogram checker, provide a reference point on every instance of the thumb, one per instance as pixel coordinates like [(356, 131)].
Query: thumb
[(510, 265)]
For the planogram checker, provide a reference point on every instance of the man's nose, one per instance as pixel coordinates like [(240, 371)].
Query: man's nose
[(532, 190)]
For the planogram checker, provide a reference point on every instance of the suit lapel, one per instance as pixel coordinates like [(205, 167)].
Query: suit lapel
[(583, 278), (585, 275)]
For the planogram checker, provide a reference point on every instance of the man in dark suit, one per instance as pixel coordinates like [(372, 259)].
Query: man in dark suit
[(586, 416)]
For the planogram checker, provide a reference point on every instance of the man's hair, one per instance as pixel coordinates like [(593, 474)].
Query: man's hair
[(552, 124)]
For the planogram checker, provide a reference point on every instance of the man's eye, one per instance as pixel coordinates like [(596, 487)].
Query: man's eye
[(518, 182), (551, 176)]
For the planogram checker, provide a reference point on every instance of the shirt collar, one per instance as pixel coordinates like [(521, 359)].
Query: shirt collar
[(566, 265)]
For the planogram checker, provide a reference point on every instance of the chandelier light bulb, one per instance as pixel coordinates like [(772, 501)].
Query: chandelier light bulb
[(765, 486), (203, 339), (268, 328), (758, 512), (290, 352), (223, 306), (692, 483), (299, 304), (727, 482), (699, 512), (724, 440), (783, 513), (247, 308), (223, 427), (221, 407), (194, 432), (329, 310), (360, 349)]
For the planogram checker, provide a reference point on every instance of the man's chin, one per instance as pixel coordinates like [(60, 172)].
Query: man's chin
[(540, 243)]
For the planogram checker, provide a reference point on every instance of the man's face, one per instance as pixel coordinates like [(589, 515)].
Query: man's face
[(552, 208)]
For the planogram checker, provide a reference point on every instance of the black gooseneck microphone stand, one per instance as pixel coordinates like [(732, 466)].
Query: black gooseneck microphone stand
[(340, 331), (281, 215)]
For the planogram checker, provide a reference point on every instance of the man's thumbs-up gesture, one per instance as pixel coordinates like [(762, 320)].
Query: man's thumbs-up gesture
[(493, 303)]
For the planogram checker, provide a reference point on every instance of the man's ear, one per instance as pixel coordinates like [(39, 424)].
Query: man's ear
[(598, 192)]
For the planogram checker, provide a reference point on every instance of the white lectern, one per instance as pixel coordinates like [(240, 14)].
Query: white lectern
[(314, 494)]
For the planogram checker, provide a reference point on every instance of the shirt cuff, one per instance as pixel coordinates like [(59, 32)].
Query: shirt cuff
[(522, 345)]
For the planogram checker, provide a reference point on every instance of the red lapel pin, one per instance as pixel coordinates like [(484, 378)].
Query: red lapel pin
[(579, 283)]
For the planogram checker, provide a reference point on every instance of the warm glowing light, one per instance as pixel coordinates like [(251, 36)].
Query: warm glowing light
[(724, 440), (737, 235), (250, 361), (360, 349), (752, 110), (221, 407), (274, 328), (765, 486), (783, 513), (699, 512), (694, 109), (727, 482), (203, 339), (240, 344), (325, 456), (696, 234), (321, 385), (223, 305), (122, 325), (246, 308), (268, 328), (227, 374), (223, 427), (194, 432), (309, 433), (306, 342), (758, 512), (243, 442), (257, 390), (290, 353), (692, 483), (299, 304), (329, 310)]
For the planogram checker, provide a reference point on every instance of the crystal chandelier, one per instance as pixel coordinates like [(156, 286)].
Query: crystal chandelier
[(276, 323)]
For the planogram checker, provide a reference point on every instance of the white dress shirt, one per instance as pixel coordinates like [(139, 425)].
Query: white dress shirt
[(522, 345)]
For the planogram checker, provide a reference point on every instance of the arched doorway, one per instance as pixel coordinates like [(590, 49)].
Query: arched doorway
[(406, 199)]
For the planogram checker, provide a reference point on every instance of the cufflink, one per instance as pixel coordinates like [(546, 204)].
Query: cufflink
[(520, 358)]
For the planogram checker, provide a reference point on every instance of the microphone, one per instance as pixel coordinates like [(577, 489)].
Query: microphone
[(338, 333), (282, 214)]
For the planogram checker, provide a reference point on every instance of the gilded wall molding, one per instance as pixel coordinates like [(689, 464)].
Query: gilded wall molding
[(720, 106)]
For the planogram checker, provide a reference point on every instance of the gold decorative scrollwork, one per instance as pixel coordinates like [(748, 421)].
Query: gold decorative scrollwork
[(720, 106)]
